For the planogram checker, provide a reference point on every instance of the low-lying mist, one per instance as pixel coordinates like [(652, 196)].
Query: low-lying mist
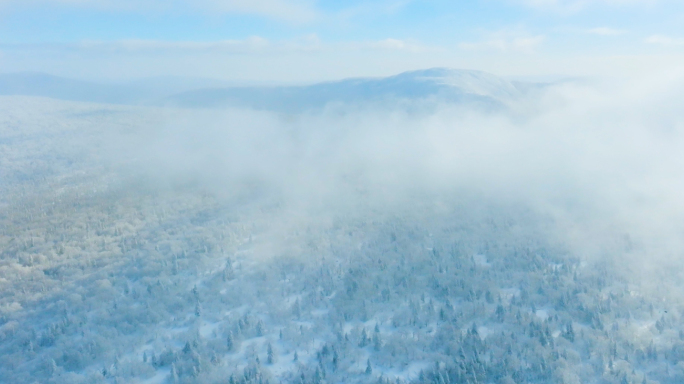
[(537, 238), (603, 159)]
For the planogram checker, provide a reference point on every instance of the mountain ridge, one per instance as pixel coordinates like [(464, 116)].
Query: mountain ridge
[(433, 85)]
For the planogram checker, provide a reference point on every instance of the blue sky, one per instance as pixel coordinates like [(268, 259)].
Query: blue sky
[(307, 40)]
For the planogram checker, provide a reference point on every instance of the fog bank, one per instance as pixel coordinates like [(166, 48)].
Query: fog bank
[(602, 158)]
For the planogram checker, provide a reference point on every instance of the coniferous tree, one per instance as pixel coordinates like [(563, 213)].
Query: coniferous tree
[(271, 355), (335, 360), (364, 339), (377, 343), (500, 313), (230, 343), (296, 310)]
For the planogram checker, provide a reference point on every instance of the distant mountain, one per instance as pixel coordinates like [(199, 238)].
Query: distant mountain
[(144, 91), (40, 84), (436, 85)]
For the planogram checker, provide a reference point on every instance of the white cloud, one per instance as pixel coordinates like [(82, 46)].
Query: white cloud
[(375, 8), (392, 45), (95, 4), (569, 3), (254, 44), (307, 58), (287, 10), (605, 31), (603, 159), (290, 10), (577, 5), (665, 40), (251, 44), (504, 44), (302, 59)]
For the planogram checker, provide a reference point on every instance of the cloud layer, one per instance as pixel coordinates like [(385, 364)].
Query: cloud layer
[(286, 10), (603, 160), (577, 5)]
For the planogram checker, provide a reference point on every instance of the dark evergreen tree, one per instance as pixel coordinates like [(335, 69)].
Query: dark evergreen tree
[(271, 355), (230, 343)]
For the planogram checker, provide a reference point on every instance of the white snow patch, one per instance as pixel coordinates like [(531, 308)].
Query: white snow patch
[(542, 314), (290, 300), (409, 371), (158, 378), (483, 332), (481, 260), (555, 266), (319, 312), (303, 324), (507, 294), (206, 329), (284, 363)]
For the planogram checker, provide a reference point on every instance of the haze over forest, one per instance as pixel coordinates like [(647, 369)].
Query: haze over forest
[(301, 192)]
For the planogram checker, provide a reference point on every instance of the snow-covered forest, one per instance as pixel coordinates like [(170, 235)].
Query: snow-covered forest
[(125, 257)]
